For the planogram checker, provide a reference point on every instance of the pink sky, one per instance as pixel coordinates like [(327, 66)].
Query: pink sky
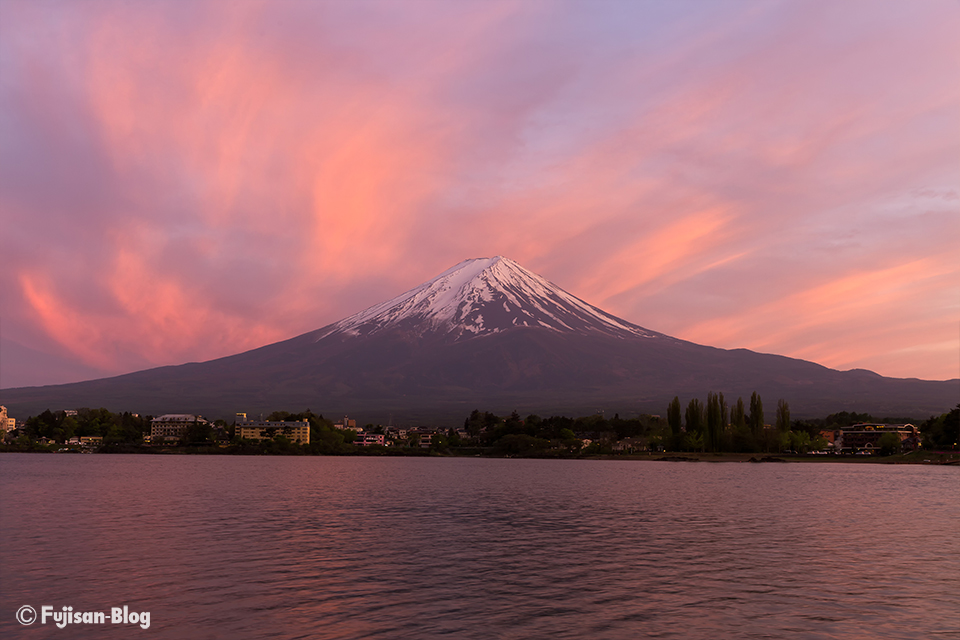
[(181, 181)]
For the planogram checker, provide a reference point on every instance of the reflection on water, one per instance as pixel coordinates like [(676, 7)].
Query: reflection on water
[(256, 547)]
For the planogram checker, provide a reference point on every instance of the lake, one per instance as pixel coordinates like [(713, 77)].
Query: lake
[(368, 547)]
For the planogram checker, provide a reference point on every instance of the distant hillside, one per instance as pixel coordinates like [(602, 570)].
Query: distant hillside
[(486, 334)]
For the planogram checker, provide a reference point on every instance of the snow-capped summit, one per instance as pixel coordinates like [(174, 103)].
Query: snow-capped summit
[(485, 296)]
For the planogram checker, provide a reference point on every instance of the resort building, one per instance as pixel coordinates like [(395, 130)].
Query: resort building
[(7, 423), (298, 432), (172, 426), (865, 437)]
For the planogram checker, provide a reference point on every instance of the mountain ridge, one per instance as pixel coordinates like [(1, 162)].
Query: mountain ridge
[(486, 333)]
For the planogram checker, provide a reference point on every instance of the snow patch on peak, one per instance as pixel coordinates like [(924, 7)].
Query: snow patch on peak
[(486, 295)]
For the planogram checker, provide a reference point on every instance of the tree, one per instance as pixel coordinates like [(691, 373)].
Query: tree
[(673, 415), (714, 424), (942, 432), (889, 443), (738, 417), (197, 433), (479, 422), (799, 440), (453, 438), (724, 413), (694, 416), (693, 441), (439, 442), (783, 415), (756, 414)]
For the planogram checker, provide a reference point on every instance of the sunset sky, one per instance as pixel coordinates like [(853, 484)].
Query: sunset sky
[(181, 181)]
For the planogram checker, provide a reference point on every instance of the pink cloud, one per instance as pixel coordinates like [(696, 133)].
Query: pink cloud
[(769, 177)]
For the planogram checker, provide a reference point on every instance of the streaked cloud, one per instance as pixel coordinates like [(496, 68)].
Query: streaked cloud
[(182, 181)]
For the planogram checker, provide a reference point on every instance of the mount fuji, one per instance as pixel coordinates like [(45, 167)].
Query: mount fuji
[(486, 334), (482, 297)]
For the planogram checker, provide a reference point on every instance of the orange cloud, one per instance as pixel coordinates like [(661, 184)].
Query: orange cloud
[(676, 250), (849, 320), (148, 314), (727, 177), (77, 335)]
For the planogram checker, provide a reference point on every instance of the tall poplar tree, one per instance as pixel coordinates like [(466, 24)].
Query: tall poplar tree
[(783, 415), (738, 417), (724, 411), (756, 414), (673, 415), (694, 416), (713, 422)]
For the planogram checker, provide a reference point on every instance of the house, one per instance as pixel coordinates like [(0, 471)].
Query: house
[(630, 445), (830, 435), (910, 443), (397, 433), (367, 439), (424, 434)]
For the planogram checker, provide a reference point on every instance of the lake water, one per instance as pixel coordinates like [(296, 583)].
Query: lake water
[(274, 547)]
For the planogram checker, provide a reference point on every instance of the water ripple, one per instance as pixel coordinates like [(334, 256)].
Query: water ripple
[(474, 548)]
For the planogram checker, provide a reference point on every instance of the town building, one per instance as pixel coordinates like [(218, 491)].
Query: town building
[(865, 437), (172, 426), (630, 445), (424, 434), (7, 423), (397, 433), (295, 431), (367, 439), (347, 423)]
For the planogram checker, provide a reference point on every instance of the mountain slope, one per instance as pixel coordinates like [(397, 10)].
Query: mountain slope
[(481, 297), (488, 334)]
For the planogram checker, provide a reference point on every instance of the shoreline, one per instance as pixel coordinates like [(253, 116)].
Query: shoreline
[(920, 457), (938, 458)]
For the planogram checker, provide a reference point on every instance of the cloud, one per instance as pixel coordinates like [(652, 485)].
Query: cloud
[(182, 181)]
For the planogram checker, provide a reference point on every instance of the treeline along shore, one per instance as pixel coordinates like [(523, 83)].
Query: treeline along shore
[(711, 430)]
